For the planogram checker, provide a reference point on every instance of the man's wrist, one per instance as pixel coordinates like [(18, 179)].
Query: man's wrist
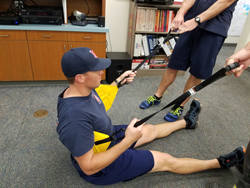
[(116, 81), (197, 20)]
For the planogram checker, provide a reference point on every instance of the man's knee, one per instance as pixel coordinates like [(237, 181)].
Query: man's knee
[(149, 128), (163, 162)]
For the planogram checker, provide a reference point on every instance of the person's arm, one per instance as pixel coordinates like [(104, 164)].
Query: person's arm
[(179, 18), (242, 57), (129, 73), (211, 12), (91, 163)]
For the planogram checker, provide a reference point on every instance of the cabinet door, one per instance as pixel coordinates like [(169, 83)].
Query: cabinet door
[(46, 59), (98, 48), (15, 61)]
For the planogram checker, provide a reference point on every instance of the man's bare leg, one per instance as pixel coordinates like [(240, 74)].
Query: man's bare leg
[(151, 132), (166, 162)]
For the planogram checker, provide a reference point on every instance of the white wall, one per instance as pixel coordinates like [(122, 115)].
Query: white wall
[(116, 19), (245, 35)]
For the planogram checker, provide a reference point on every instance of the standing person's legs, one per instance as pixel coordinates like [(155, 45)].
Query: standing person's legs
[(167, 79), (180, 57), (204, 51)]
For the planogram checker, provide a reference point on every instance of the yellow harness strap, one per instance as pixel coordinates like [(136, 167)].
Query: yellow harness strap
[(101, 147), (107, 94)]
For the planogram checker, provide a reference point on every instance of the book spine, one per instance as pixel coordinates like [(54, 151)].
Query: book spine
[(156, 19)]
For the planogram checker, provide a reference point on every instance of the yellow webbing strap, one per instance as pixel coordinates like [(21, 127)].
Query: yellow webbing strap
[(107, 94), (101, 147)]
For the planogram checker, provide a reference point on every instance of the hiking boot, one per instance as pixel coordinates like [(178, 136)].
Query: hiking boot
[(192, 116), (149, 102), (173, 115), (235, 158)]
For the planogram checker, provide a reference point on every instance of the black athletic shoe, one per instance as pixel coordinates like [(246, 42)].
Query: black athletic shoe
[(235, 158), (192, 116)]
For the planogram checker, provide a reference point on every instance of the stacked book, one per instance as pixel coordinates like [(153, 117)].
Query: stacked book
[(145, 44), (153, 20)]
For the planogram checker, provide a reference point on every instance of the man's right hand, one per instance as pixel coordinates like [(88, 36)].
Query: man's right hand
[(177, 22), (132, 134)]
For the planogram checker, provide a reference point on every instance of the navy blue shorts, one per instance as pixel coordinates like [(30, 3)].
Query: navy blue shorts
[(197, 49), (129, 165)]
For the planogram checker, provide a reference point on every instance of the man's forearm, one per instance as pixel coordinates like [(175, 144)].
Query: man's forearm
[(243, 54), (215, 9), (101, 160)]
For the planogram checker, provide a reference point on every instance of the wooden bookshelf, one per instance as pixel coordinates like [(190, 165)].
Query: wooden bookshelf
[(132, 32)]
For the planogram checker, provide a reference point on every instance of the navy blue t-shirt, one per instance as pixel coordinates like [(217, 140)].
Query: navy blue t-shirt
[(77, 118), (219, 24)]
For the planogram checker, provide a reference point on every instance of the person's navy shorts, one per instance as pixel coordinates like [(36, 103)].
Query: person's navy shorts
[(129, 165), (197, 49)]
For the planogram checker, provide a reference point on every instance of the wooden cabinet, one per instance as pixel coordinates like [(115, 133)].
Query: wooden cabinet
[(48, 47), (46, 50), (35, 55), (15, 62)]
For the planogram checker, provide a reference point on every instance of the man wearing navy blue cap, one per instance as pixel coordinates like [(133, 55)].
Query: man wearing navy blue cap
[(81, 113)]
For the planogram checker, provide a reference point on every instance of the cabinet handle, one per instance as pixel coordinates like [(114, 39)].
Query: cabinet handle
[(47, 35), (71, 46), (4, 35), (64, 48), (87, 37)]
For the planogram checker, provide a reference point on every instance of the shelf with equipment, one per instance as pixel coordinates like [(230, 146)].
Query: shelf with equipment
[(149, 24)]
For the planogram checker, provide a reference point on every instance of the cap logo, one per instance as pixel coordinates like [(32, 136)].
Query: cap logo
[(92, 52)]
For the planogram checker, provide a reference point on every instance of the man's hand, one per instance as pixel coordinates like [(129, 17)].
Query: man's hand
[(238, 71), (132, 134), (242, 57), (177, 22), (130, 77), (188, 26)]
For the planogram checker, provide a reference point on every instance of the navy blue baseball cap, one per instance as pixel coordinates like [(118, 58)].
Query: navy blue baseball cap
[(81, 60)]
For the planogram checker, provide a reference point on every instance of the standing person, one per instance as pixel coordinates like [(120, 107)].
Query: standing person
[(243, 58), (203, 30), (81, 113)]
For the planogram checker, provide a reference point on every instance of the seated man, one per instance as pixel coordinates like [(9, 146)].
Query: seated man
[(81, 112)]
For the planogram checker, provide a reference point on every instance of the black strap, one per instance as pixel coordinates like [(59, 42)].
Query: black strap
[(111, 138), (192, 91), (179, 100), (168, 37)]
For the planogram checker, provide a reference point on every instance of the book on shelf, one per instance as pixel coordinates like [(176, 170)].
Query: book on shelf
[(150, 43), (165, 47), (137, 45), (145, 44), (158, 62), (136, 62), (150, 19), (145, 17), (172, 42), (157, 17)]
